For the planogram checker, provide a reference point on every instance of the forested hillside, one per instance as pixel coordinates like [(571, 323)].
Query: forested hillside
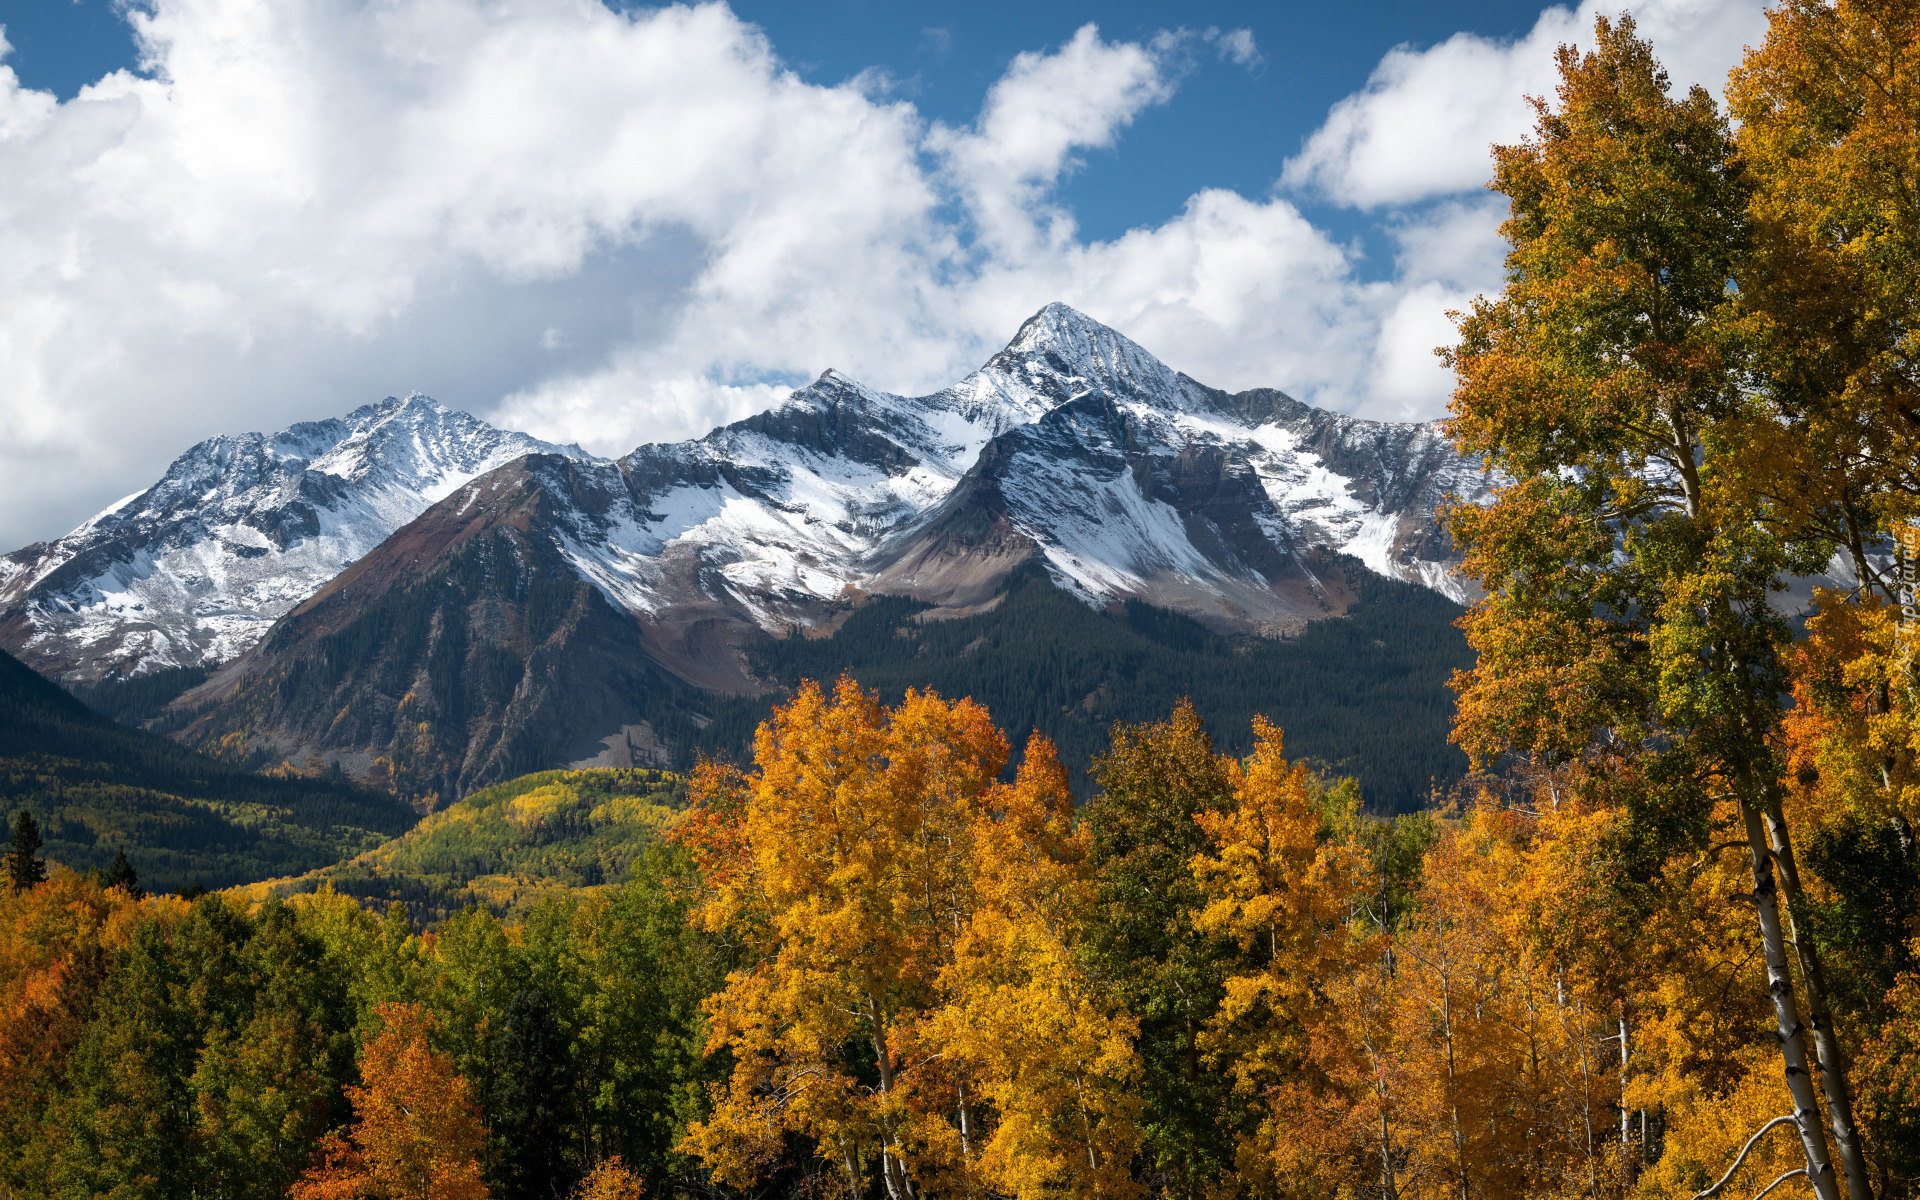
[(1362, 695), (505, 847), (97, 787)]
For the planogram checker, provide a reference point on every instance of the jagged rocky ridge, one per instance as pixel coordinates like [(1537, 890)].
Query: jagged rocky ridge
[(193, 570), (1072, 446), (560, 610)]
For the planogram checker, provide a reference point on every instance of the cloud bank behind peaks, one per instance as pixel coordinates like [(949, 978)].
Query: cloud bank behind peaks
[(1421, 126), (613, 228)]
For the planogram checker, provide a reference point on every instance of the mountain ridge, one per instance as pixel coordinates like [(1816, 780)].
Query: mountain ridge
[(558, 611), (193, 569)]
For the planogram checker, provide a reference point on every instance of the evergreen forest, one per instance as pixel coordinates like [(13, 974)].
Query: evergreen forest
[(1362, 694), (98, 787), (1654, 934)]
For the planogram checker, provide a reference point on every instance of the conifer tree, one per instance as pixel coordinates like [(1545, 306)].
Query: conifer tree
[(23, 867), (1156, 780), (528, 1107), (122, 875)]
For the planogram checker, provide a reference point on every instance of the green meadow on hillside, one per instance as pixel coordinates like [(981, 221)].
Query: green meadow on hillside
[(503, 848)]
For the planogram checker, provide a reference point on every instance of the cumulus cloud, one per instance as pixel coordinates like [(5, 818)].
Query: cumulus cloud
[(1423, 124), (615, 228), (1043, 109)]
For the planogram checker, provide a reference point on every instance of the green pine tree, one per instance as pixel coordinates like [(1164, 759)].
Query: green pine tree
[(23, 867), (1154, 779), (121, 875), (529, 1101)]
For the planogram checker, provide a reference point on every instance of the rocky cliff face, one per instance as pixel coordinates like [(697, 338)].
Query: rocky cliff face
[(465, 650), (560, 610), (194, 569)]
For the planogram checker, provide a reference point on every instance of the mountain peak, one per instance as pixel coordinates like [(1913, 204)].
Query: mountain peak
[(1096, 357), (392, 406), (1060, 326), (240, 528)]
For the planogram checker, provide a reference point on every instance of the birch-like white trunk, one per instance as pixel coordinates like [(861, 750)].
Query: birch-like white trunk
[(1826, 1040), (1793, 1051)]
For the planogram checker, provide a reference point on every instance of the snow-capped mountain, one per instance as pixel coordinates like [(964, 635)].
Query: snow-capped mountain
[(1073, 446), (561, 610), (194, 569)]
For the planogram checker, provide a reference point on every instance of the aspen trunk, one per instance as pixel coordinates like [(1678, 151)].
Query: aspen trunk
[(1626, 1125), (1806, 1108), (1826, 1040), (1387, 1189), (892, 1171), (1586, 1093), (853, 1172), (966, 1127), (1453, 1095)]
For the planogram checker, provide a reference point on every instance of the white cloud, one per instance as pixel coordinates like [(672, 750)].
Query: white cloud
[(1043, 109), (1423, 124), (617, 228), (1237, 47)]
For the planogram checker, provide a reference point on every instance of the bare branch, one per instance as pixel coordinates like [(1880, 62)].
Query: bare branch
[(1776, 1183), (1742, 1158)]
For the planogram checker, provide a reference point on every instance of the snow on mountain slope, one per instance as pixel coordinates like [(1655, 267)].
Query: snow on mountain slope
[(240, 529), (560, 610), (1073, 446), (1127, 478)]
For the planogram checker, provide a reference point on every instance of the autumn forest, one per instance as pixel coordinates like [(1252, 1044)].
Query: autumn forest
[(1662, 941)]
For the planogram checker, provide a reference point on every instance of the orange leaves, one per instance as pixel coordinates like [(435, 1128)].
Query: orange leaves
[(1463, 1060), (416, 1134), (51, 939), (916, 1006), (1852, 741), (611, 1180)]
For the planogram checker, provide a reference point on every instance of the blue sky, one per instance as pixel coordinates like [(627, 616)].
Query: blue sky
[(613, 226), (1228, 128)]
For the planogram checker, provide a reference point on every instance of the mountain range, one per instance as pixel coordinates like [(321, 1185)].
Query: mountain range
[(434, 605), (194, 569)]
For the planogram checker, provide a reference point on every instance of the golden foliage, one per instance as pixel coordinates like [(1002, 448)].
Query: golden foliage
[(610, 1180), (898, 900), (416, 1133)]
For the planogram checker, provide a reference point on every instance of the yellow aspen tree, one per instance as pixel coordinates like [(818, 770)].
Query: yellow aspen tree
[(1829, 111), (1628, 616), (1284, 891), (610, 1180), (843, 860), (1052, 1059)]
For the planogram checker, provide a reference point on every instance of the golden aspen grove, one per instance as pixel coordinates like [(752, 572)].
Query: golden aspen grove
[(1664, 942)]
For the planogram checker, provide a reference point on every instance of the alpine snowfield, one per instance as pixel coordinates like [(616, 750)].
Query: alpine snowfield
[(194, 569)]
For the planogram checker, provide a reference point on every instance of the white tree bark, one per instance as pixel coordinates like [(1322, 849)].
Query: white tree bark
[(1793, 1051)]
